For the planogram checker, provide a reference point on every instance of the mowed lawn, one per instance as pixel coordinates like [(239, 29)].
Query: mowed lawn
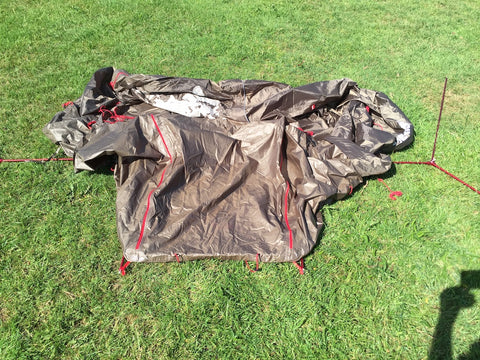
[(388, 279)]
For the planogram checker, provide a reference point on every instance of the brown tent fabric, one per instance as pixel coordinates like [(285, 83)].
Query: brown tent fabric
[(227, 169)]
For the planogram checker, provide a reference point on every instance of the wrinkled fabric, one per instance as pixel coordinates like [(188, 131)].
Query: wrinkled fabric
[(227, 169)]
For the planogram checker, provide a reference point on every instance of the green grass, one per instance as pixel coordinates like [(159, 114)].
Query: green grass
[(373, 286)]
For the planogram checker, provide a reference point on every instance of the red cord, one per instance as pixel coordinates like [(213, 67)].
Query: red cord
[(89, 125), (301, 267), (438, 122), (112, 83), (305, 131), (257, 259), (123, 266), (413, 162), (393, 194), (434, 164), (453, 176), (116, 117)]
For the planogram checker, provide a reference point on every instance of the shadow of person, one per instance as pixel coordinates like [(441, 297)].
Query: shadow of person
[(452, 301), (473, 352)]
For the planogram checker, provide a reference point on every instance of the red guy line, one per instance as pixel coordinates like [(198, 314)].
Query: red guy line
[(438, 122), (432, 160), (455, 177), (112, 83), (164, 143), (434, 164)]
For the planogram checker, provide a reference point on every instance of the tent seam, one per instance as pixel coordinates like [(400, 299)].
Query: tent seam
[(286, 217), (140, 238)]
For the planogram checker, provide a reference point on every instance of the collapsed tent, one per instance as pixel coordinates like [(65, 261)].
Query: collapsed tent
[(234, 169)]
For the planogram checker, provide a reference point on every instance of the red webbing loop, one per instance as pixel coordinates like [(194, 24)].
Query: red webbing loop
[(123, 266), (178, 258), (257, 260)]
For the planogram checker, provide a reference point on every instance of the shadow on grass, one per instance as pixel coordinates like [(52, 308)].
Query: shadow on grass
[(452, 301)]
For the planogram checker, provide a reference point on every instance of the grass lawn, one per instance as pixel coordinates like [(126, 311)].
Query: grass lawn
[(388, 280)]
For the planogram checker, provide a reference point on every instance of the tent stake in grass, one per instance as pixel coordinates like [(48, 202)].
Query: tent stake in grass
[(432, 162), (41, 161)]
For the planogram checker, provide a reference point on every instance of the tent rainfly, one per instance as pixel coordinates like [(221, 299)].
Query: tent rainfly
[(236, 169)]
